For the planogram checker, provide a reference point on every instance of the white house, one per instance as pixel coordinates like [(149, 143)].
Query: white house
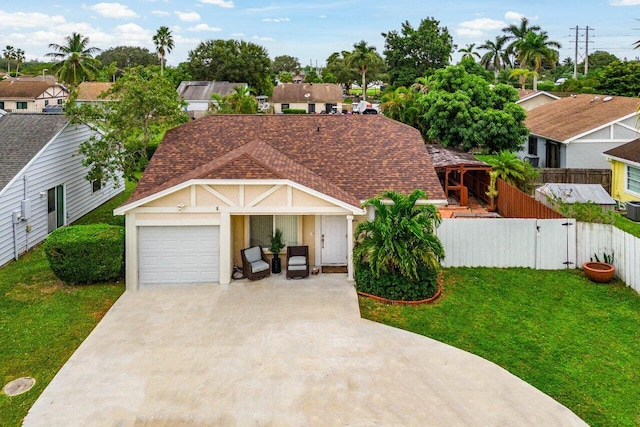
[(42, 180), (30, 96), (198, 94), (312, 97), (530, 99), (573, 132)]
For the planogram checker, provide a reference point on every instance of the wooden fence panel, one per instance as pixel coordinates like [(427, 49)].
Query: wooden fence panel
[(513, 203), (576, 176)]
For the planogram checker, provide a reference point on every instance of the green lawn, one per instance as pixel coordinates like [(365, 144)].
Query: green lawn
[(627, 225), (43, 321), (577, 341)]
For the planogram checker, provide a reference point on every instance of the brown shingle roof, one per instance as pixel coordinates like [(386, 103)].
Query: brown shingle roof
[(23, 89), (574, 115), (350, 158), (629, 151), (318, 92), (90, 91)]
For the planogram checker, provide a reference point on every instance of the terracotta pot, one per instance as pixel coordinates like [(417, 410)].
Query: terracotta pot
[(599, 271)]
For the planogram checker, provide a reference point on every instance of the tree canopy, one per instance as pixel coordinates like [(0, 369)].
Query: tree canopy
[(128, 56), (239, 102), (286, 63), (75, 59), (337, 66), (234, 61), (416, 52), (144, 106), (620, 78), (365, 59)]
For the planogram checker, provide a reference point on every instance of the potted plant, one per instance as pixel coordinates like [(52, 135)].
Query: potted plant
[(600, 271), (276, 246)]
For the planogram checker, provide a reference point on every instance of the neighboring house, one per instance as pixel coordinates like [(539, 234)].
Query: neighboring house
[(225, 182), (311, 97), (298, 78), (42, 180), (30, 96), (625, 168), (530, 99), (89, 92), (198, 94), (573, 132), (569, 193)]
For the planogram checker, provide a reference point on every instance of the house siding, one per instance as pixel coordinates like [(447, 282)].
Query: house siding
[(619, 183), (57, 164), (588, 155)]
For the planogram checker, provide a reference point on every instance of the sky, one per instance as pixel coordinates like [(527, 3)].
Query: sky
[(311, 30)]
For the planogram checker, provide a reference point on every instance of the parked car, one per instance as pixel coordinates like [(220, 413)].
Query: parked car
[(53, 108), (370, 111)]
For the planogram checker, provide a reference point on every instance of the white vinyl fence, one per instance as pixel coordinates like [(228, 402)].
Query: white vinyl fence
[(542, 244)]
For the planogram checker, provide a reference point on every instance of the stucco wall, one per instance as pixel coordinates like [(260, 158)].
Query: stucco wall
[(619, 183)]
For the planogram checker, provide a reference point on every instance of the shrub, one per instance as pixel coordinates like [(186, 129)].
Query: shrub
[(86, 253), (547, 86), (293, 111), (395, 286)]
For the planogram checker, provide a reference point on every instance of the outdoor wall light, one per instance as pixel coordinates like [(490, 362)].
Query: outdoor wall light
[(181, 206)]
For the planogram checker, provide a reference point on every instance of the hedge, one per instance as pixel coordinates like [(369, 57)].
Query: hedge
[(293, 111), (395, 286), (86, 253)]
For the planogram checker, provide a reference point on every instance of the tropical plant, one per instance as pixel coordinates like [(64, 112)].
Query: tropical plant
[(364, 57), (75, 59), (277, 244), (535, 49), (514, 33), (508, 167), (496, 57), (401, 105), (9, 54), (19, 57), (522, 74), (239, 102), (468, 52), (164, 44), (401, 238)]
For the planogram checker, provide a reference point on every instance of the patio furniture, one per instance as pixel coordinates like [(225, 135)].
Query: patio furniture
[(255, 263), (297, 261)]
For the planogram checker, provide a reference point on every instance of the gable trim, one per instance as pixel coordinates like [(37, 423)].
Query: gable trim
[(611, 123), (621, 160)]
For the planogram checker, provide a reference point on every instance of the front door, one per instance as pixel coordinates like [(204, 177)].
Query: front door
[(55, 208), (553, 155), (334, 240)]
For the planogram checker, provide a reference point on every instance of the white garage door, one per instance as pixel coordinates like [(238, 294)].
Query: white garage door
[(178, 255)]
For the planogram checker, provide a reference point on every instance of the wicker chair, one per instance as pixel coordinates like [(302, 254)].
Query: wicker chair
[(255, 263), (297, 261)]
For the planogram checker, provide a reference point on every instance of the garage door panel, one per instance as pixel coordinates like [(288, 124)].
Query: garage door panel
[(175, 255)]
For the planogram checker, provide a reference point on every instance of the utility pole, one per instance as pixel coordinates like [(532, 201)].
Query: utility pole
[(575, 57), (577, 40), (586, 50)]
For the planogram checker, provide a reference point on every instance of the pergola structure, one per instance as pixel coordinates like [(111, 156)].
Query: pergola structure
[(460, 172)]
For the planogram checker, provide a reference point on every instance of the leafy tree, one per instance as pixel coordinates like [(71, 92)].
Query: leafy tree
[(19, 57), (286, 63), (463, 110), (515, 33), (234, 61), (401, 105), (496, 57), (472, 67), (329, 78), (534, 49), (620, 78), (144, 106), (364, 58), (128, 56), (400, 241), (311, 76), (336, 65), (285, 77), (413, 53), (239, 102), (9, 53), (75, 59), (177, 74), (164, 44), (468, 52)]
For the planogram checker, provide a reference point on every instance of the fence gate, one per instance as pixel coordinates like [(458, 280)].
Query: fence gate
[(556, 244)]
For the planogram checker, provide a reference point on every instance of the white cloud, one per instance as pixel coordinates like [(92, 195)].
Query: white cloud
[(29, 20), (160, 13), (204, 27), (624, 2), (113, 10), (188, 16), (478, 26), (276, 20), (132, 34), (466, 32), (322, 16), (517, 17), (263, 39), (237, 34), (221, 3)]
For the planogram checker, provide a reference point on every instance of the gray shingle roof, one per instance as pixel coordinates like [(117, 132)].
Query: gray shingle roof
[(202, 90), (22, 136)]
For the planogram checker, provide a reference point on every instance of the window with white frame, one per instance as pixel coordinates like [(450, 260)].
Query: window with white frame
[(262, 228), (633, 179)]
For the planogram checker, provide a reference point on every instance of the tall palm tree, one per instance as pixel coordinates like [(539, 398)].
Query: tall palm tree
[(363, 57), (9, 53), (533, 50), (75, 59), (19, 59), (469, 52), (496, 56), (514, 32), (164, 44)]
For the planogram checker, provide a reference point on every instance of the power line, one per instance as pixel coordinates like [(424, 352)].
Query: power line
[(578, 37)]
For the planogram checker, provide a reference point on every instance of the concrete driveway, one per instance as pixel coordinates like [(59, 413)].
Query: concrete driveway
[(276, 353)]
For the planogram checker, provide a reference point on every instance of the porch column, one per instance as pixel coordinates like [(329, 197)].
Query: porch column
[(350, 248), (131, 261), (225, 248)]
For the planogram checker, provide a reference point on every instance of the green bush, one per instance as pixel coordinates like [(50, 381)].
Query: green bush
[(86, 253), (396, 286), (293, 111), (546, 86)]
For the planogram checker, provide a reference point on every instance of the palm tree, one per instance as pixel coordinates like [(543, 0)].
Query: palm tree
[(514, 32), (9, 54), (19, 59), (533, 50), (239, 102), (400, 105), (508, 167), (522, 74), (496, 56), (363, 57), (469, 52), (164, 44), (401, 239), (75, 59)]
